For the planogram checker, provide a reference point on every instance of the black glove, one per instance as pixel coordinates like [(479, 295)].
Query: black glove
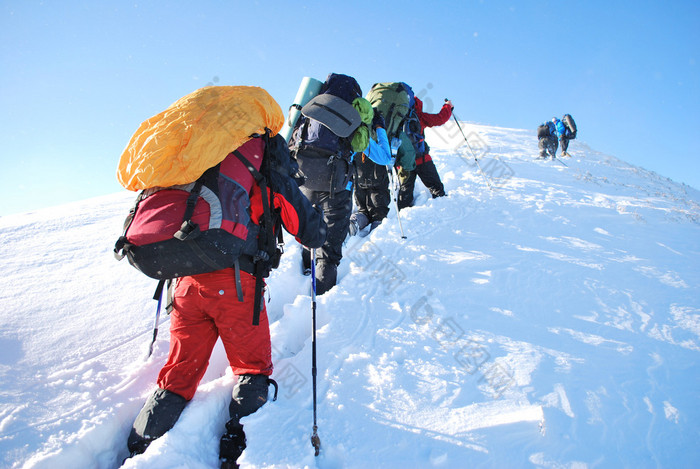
[(378, 120)]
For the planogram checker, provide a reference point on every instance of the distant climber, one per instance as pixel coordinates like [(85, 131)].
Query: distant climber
[(568, 134), (547, 135)]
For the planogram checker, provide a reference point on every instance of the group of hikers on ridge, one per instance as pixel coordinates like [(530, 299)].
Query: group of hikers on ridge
[(335, 168), (218, 184), (555, 132)]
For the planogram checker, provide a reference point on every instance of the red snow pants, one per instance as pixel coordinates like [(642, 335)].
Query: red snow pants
[(206, 307)]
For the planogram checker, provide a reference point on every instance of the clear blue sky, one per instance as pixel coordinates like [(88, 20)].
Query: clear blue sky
[(78, 77)]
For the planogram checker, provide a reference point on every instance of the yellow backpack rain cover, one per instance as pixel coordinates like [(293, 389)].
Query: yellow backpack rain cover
[(194, 134)]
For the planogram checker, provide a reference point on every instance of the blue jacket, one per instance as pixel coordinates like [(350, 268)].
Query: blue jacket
[(379, 151), (559, 128)]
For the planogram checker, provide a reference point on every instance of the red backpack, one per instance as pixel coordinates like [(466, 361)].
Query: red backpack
[(194, 228), (206, 225)]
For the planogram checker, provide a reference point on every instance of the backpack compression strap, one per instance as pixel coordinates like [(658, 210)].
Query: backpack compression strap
[(122, 246), (264, 242), (190, 230)]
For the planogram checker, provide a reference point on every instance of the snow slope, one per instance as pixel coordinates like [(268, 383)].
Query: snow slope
[(551, 320)]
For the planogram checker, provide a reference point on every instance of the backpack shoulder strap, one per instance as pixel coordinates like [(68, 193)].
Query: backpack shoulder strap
[(265, 257), (190, 230)]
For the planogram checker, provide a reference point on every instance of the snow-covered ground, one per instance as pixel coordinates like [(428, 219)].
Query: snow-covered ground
[(550, 320)]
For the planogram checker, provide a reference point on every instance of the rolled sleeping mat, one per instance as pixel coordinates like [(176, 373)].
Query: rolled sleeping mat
[(308, 88)]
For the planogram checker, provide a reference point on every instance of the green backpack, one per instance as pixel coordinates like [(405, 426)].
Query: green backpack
[(393, 102)]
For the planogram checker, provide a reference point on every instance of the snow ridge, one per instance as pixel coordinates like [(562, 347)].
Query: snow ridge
[(541, 315)]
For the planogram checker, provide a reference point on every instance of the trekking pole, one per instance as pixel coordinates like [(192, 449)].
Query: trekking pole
[(560, 161), (470, 150), (315, 440), (157, 296), (395, 183)]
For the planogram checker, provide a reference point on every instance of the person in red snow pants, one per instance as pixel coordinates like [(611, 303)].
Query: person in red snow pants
[(207, 307)]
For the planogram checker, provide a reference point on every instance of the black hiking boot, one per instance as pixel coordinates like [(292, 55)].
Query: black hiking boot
[(353, 227), (249, 394), (232, 445), (306, 262), (358, 222), (158, 415)]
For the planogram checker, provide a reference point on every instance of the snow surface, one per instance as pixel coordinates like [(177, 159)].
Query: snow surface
[(550, 320)]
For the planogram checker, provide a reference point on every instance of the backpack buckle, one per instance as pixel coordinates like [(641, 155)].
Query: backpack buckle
[(122, 245), (187, 231), (261, 256)]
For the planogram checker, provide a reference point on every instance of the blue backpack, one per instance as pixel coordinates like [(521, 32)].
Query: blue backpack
[(412, 126), (552, 128)]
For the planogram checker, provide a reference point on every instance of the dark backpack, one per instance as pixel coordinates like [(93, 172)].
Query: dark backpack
[(570, 125), (312, 134), (206, 225), (543, 131), (414, 130), (324, 157)]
